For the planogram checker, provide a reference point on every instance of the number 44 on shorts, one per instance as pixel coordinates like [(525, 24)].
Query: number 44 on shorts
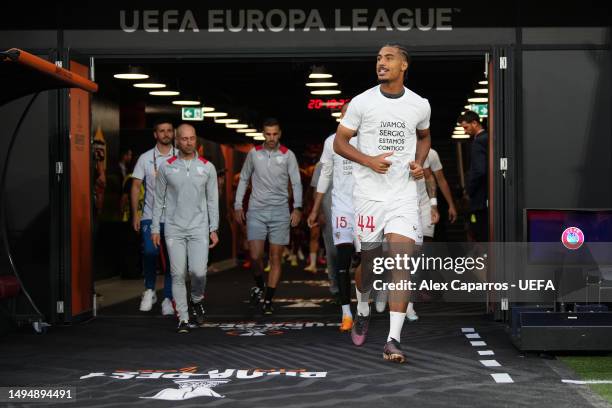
[(369, 222)]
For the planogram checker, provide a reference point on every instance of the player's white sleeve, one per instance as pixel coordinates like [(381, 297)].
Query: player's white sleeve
[(352, 117), (434, 160), (139, 169), (327, 166), (424, 123)]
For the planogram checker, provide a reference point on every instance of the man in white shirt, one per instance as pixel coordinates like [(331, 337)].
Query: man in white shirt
[(145, 172), (339, 171), (392, 127), (428, 202)]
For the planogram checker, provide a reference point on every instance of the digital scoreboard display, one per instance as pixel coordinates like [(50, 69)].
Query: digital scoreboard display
[(315, 104)]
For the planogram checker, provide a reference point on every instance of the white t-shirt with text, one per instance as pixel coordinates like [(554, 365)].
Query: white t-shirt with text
[(386, 125)]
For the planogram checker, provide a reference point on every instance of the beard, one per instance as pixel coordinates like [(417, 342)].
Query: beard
[(186, 151), (382, 81)]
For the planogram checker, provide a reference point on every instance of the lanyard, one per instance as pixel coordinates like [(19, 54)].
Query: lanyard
[(155, 159)]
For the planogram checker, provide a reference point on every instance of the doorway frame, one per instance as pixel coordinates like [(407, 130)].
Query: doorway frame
[(504, 192)]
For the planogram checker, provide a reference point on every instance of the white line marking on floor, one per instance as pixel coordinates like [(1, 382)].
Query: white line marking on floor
[(486, 352), (502, 378), (478, 343), (467, 330), (587, 382), (473, 336), (490, 363)]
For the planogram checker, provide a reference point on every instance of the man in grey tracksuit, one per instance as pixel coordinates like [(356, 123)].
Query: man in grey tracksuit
[(186, 193), (269, 167)]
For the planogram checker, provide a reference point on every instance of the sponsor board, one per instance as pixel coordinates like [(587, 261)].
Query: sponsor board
[(190, 383)]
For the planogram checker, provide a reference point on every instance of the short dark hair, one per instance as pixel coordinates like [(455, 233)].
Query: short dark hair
[(469, 117), (271, 122), (161, 121), (402, 49)]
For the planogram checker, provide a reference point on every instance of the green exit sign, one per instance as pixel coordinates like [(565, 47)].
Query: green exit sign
[(482, 109), (192, 113)]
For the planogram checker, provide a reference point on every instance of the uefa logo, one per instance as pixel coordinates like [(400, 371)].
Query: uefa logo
[(572, 238)]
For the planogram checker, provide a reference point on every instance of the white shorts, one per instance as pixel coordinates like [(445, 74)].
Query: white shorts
[(425, 215), (343, 225), (374, 219)]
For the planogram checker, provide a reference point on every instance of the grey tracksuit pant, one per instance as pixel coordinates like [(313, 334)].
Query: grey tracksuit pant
[(188, 251)]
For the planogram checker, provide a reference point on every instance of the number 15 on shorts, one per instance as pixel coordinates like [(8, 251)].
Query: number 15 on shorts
[(369, 222), (341, 222)]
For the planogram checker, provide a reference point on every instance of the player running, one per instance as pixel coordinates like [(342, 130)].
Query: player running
[(391, 123)]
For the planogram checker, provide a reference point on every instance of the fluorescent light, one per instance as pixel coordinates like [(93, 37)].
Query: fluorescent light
[(249, 130), (186, 102), (459, 129), (338, 119), (478, 100), (132, 72), (321, 84), (336, 114), (319, 76), (460, 136), (149, 85), (131, 76), (467, 107), (236, 126), (214, 114), (481, 91), (226, 120), (483, 83), (255, 134), (325, 92), (207, 109), (259, 138), (164, 93)]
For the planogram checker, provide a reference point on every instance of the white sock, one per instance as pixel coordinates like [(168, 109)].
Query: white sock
[(346, 310), (396, 321), (313, 258), (410, 308), (363, 302)]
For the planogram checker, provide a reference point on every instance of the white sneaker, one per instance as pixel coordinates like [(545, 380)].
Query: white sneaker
[(411, 314), (167, 308), (148, 300), (300, 255)]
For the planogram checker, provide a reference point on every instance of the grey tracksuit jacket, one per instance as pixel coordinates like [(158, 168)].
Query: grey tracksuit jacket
[(188, 195), (271, 171)]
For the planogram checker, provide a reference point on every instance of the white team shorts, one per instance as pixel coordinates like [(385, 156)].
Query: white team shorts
[(374, 219), (425, 215), (343, 225)]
